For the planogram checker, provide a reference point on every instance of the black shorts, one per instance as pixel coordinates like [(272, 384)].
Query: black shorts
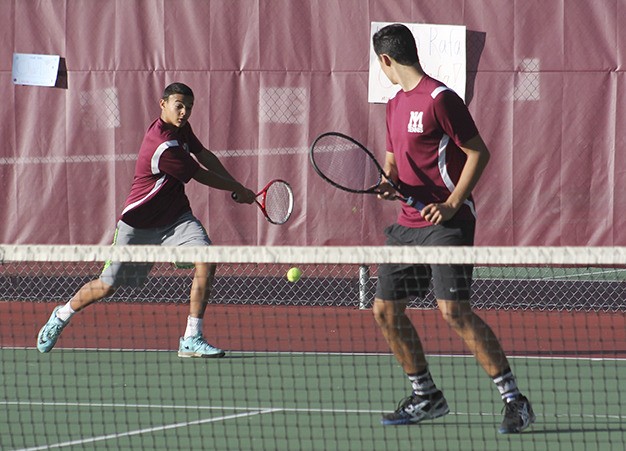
[(450, 282)]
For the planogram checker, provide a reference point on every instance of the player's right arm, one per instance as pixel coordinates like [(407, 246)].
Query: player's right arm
[(391, 169)]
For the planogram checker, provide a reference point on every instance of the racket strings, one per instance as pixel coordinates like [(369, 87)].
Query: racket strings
[(345, 164), (278, 202)]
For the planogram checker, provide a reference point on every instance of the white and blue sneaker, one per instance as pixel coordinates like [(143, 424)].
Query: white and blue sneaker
[(49, 333), (197, 346), (416, 408), (518, 415)]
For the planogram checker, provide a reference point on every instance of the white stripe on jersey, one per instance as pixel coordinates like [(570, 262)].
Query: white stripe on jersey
[(154, 168), (154, 161), (439, 90), (156, 187), (443, 170)]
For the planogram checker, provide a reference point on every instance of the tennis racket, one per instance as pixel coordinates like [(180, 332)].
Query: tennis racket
[(275, 201), (348, 165)]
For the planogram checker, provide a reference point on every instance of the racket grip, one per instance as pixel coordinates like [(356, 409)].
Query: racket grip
[(233, 195), (413, 202)]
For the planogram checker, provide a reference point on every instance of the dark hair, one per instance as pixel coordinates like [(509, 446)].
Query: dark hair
[(397, 41), (177, 88)]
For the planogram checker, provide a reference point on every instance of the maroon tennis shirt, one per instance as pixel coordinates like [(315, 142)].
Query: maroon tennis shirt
[(425, 129), (157, 197)]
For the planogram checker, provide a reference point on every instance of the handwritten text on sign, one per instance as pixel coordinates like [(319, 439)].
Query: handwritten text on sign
[(442, 53)]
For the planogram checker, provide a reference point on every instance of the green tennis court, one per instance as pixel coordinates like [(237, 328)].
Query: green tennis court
[(82, 399), (307, 368)]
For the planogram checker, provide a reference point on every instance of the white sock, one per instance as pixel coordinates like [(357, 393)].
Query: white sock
[(422, 383), (65, 312), (507, 385), (194, 327)]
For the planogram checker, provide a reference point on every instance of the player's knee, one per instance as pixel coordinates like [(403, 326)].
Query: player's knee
[(457, 315), (385, 313), (108, 290), (205, 270)]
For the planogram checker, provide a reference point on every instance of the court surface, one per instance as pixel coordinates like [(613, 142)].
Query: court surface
[(88, 399)]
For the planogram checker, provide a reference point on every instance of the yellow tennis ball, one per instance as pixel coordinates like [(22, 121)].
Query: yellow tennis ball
[(294, 274)]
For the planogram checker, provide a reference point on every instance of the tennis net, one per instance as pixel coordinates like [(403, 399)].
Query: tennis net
[(306, 365)]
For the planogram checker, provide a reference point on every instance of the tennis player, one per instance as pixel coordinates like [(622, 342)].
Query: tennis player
[(436, 154), (157, 212)]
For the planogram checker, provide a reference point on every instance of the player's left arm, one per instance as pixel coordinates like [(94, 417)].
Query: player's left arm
[(210, 161), (457, 122), (477, 158), (213, 165)]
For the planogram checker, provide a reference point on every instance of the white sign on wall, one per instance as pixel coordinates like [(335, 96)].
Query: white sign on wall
[(35, 70), (442, 53)]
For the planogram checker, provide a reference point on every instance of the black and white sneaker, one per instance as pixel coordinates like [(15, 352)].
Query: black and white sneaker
[(518, 415), (417, 408)]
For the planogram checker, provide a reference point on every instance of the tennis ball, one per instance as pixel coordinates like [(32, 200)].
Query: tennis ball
[(294, 274)]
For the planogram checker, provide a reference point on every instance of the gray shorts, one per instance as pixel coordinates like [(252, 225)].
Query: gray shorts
[(450, 282), (186, 231)]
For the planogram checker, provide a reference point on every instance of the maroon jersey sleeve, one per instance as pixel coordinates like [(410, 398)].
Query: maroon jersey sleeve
[(454, 117), (176, 162)]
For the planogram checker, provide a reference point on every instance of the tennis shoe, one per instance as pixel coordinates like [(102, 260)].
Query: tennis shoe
[(417, 408), (49, 333), (518, 415), (197, 346)]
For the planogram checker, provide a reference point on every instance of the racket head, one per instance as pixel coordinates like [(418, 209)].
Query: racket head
[(345, 163), (276, 201)]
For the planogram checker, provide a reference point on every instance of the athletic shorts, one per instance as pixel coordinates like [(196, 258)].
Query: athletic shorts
[(449, 282), (186, 231)]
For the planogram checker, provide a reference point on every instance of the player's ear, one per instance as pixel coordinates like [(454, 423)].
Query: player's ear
[(385, 60), (162, 103)]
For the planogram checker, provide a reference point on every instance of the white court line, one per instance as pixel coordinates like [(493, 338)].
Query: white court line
[(237, 352), (147, 430), (261, 410), (250, 411)]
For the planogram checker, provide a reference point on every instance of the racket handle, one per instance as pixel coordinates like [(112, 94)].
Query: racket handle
[(413, 202), (233, 195)]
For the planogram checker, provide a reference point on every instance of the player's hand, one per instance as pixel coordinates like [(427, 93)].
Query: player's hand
[(438, 213), (386, 191), (243, 195)]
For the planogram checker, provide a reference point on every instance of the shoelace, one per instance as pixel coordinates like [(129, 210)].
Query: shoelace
[(405, 402), (200, 341), (52, 330), (510, 408)]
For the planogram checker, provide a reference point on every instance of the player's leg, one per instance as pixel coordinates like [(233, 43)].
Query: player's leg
[(426, 401), (395, 284), (452, 288), (400, 334), (482, 342), (88, 294), (477, 335), (113, 275), (193, 343), (188, 231)]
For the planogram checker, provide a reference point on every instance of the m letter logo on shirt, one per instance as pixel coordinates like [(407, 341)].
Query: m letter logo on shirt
[(415, 122)]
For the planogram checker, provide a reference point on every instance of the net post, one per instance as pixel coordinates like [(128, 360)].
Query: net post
[(364, 277)]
